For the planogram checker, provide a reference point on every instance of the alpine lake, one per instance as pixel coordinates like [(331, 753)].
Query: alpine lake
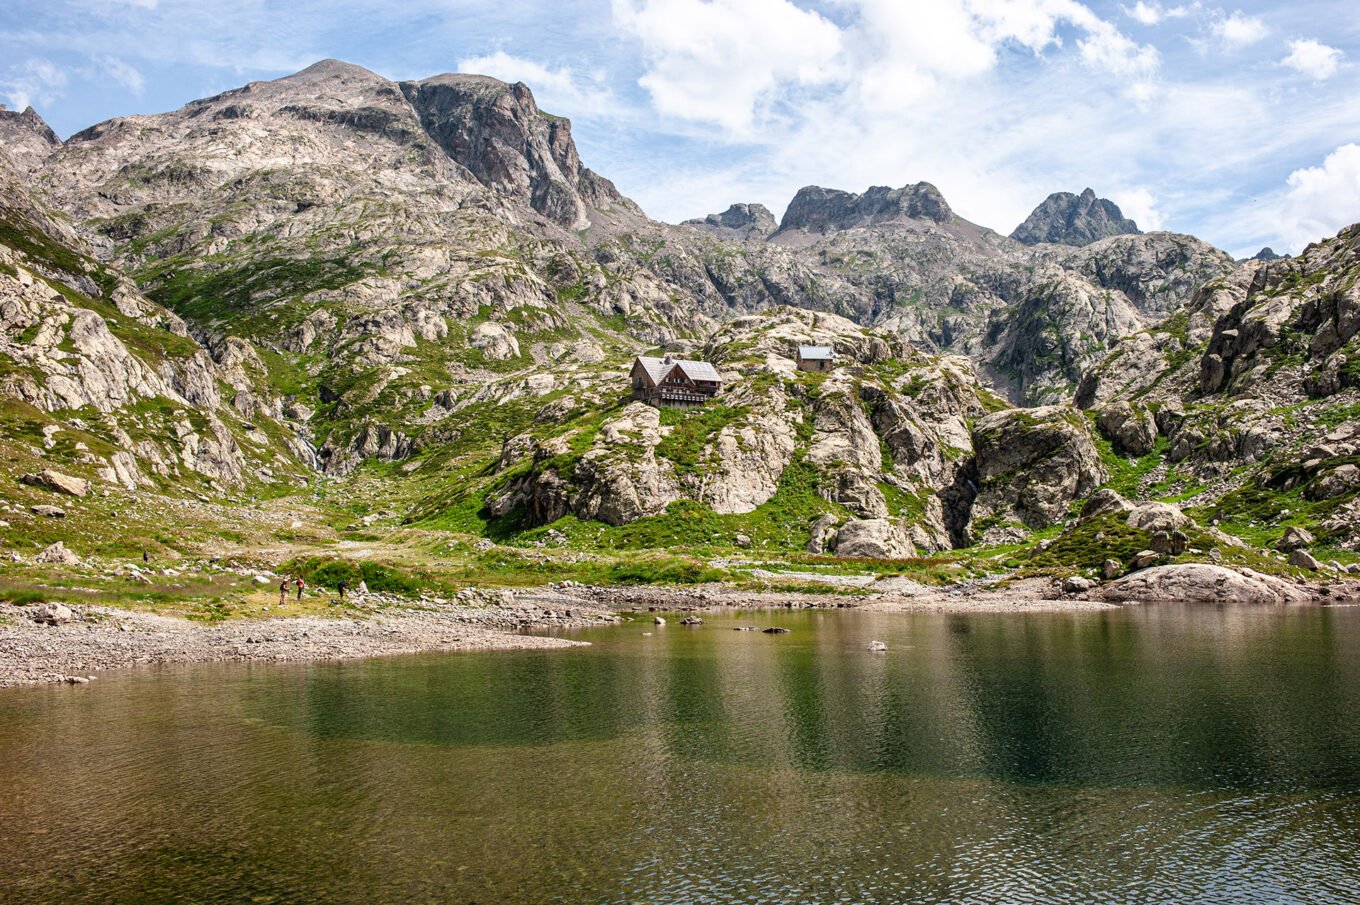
[(1149, 754)]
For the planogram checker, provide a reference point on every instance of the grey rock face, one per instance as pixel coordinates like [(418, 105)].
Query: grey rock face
[(1130, 428), (498, 133), (1033, 463), (873, 539), (740, 221), (1066, 219), (818, 210), (27, 138)]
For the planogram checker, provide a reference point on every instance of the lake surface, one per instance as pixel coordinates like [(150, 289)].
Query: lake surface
[(1151, 754)]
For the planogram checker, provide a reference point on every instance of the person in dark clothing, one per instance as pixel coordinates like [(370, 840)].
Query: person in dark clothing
[(145, 558), (300, 586), (341, 586)]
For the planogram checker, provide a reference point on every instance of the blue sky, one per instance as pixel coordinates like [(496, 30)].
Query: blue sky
[(1239, 123)]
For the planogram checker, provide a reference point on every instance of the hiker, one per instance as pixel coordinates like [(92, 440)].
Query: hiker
[(300, 586), (283, 591), (341, 586), (145, 559)]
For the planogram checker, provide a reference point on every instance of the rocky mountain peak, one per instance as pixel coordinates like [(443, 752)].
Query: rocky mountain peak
[(740, 221), (818, 210), (27, 138), (1066, 219), (1268, 254), (497, 132)]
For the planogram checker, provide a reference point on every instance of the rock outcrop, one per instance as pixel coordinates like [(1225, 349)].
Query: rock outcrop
[(873, 539), (1066, 219), (740, 221), (818, 210), (27, 138), (1032, 464), (1202, 583)]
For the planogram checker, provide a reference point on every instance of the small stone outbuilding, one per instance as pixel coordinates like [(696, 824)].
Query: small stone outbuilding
[(816, 358)]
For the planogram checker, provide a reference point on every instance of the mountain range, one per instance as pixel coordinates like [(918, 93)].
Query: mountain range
[(412, 306)]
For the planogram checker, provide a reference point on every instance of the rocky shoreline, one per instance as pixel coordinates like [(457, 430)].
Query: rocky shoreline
[(54, 644)]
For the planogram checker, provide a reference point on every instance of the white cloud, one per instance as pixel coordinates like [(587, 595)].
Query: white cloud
[(558, 90), (1313, 59), (722, 61), (122, 73), (1108, 50), (34, 81), (1239, 30), (1154, 13), (1139, 205), (735, 62), (1319, 201)]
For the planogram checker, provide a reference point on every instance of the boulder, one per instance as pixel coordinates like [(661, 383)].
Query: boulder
[(57, 554), (1169, 543), (54, 614), (1033, 463), (1130, 428), (741, 540), (877, 646), (823, 534), (1154, 517), (1294, 538), (1338, 481), (1076, 584), (1304, 560), (494, 341), (874, 538), (1201, 583), (1111, 569), (57, 482), (1103, 501), (1145, 559), (49, 511)]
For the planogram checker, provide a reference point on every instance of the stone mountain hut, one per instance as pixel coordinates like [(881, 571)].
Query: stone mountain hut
[(674, 382), (816, 358)]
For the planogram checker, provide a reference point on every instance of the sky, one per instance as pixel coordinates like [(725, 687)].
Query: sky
[(1239, 123)]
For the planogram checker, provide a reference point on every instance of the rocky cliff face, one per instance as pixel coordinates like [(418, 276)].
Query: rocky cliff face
[(818, 210), (1066, 219), (740, 221), (116, 386), (26, 138), (497, 132)]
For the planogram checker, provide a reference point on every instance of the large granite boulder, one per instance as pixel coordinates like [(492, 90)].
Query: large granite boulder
[(873, 538), (1032, 464)]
